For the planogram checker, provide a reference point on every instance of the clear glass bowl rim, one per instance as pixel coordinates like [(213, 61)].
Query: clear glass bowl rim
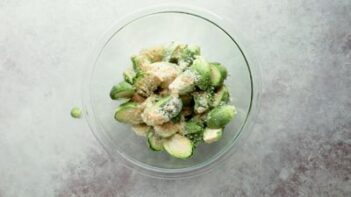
[(217, 20)]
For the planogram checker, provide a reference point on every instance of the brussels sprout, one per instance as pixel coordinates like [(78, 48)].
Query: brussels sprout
[(129, 112), (181, 54), (220, 97), (122, 90), (173, 52), (218, 74), (154, 141), (192, 127), (154, 54), (170, 105), (146, 83), (188, 55), (184, 83), (150, 101), (202, 101), (167, 129), (166, 72), (140, 63), (162, 111), (76, 112), (129, 76), (192, 50), (141, 129), (220, 116), (202, 68), (212, 135), (179, 146)]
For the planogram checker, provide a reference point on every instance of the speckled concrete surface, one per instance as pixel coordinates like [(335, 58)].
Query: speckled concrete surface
[(300, 146)]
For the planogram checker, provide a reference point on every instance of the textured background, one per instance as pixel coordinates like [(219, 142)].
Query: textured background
[(301, 143)]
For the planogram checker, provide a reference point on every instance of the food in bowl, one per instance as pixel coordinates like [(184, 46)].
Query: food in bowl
[(175, 98)]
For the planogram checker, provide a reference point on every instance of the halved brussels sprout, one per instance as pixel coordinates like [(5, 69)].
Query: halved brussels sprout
[(140, 63), (129, 112), (162, 111), (220, 116), (141, 129), (167, 129), (154, 141), (212, 135), (166, 72), (202, 68), (181, 54), (202, 101), (218, 74), (184, 83), (220, 97), (179, 146), (129, 76), (146, 83), (122, 90), (154, 54)]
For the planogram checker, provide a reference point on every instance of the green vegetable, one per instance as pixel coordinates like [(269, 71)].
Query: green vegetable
[(188, 54), (169, 50), (179, 146), (129, 76), (181, 54), (177, 100), (146, 83), (170, 105), (129, 112), (76, 112), (202, 101), (122, 90), (166, 72), (218, 74), (220, 116), (202, 68), (220, 97), (212, 135), (184, 83), (192, 127), (162, 111), (140, 63), (154, 54), (141, 129), (192, 50), (167, 129), (154, 142)]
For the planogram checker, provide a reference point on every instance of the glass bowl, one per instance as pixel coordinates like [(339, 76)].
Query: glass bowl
[(158, 25)]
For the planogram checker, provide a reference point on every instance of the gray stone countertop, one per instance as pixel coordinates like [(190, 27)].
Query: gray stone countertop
[(300, 145)]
